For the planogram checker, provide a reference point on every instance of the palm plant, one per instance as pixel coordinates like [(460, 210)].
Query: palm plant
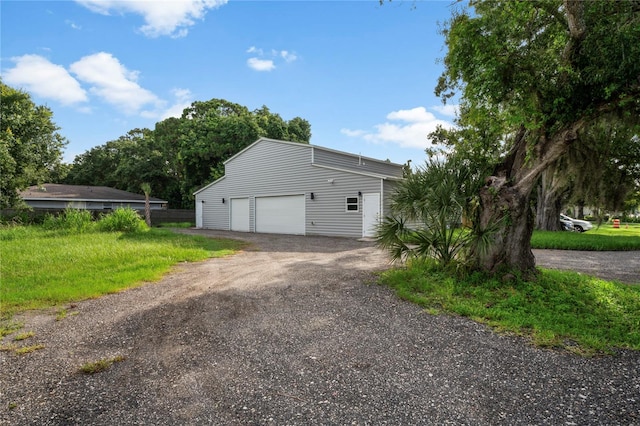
[(428, 211)]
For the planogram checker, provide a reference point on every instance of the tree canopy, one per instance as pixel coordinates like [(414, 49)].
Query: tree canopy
[(183, 154), (30, 145), (532, 77)]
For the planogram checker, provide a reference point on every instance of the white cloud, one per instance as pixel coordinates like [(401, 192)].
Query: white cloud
[(111, 81), (353, 133), (447, 110), (415, 115), (183, 99), (411, 132), (72, 24), (106, 78), (288, 56), (45, 79), (162, 17), (260, 64)]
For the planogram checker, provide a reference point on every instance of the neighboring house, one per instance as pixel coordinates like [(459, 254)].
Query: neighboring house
[(283, 187), (55, 196)]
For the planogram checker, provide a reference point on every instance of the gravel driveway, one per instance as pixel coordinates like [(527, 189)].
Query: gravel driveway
[(294, 332)]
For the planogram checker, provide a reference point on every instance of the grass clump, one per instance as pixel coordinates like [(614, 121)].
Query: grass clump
[(8, 347), (61, 314), (8, 326), (23, 336), (122, 220), (560, 309), (605, 238), (46, 268), (100, 365), (28, 349), (70, 220)]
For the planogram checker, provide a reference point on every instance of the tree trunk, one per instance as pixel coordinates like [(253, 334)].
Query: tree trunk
[(504, 210), (551, 192), (548, 211), (506, 215), (147, 210)]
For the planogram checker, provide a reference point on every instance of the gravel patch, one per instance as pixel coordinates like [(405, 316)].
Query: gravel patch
[(294, 332)]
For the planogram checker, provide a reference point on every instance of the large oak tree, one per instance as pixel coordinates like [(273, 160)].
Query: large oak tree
[(532, 76), (30, 145)]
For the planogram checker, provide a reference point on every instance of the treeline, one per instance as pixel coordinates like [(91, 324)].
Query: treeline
[(30, 146), (182, 154)]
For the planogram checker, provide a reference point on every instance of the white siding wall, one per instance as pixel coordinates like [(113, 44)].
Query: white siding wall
[(357, 164), (215, 213), (270, 169), (389, 189)]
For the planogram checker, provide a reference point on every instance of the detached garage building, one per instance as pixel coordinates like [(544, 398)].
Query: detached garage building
[(283, 187)]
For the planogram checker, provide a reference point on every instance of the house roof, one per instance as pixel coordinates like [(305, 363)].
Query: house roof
[(54, 191)]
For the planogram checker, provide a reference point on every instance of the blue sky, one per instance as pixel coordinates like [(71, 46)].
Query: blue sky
[(362, 74)]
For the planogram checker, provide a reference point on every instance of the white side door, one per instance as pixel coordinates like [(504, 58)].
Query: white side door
[(370, 214), (199, 213)]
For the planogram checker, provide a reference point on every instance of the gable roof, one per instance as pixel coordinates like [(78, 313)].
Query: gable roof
[(308, 145), (54, 191)]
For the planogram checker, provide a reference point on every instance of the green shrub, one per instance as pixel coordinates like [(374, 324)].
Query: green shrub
[(122, 220), (71, 220), (20, 217), (426, 213)]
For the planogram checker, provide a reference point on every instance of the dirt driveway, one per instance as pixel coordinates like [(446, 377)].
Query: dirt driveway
[(294, 332)]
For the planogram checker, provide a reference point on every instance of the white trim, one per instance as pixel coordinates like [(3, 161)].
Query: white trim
[(209, 185), (381, 199)]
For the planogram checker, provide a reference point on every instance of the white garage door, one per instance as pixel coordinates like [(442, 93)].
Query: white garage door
[(240, 214), (280, 215)]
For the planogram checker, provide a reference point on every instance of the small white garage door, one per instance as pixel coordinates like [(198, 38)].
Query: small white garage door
[(280, 215), (240, 214)]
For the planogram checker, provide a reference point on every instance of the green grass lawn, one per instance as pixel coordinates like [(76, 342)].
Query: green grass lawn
[(560, 309), (598, 239), (42, 268)]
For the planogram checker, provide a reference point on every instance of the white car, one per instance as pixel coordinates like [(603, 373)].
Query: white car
[(578, 225)]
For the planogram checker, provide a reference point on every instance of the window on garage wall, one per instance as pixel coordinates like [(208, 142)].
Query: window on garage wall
[(352, 204)]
